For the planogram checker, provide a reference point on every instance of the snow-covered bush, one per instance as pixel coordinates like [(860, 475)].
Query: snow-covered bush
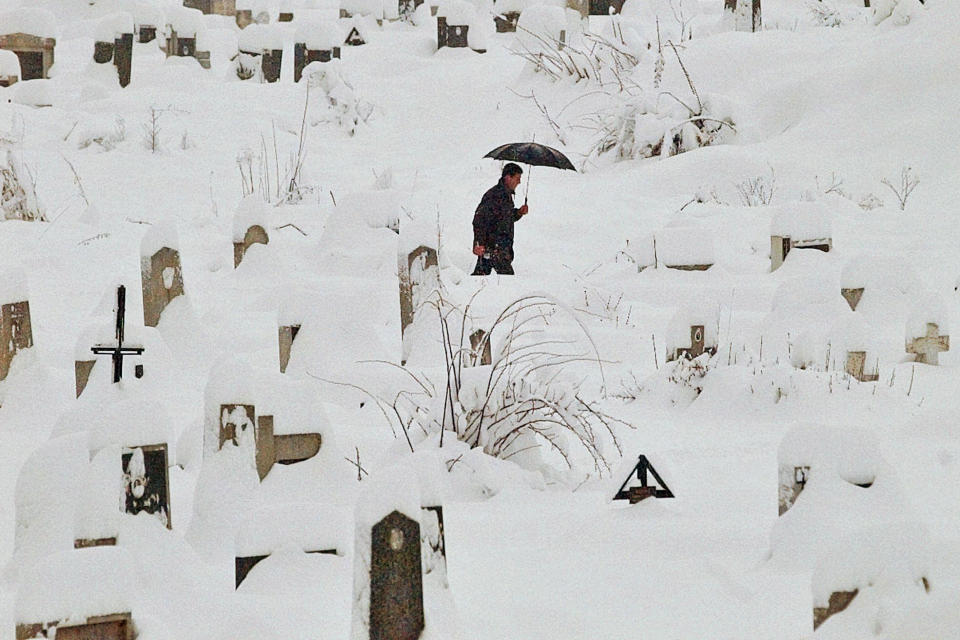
[(18, 193), (338, 99)]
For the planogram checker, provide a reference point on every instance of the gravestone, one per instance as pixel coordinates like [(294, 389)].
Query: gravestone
[(433, 542), (856, 364), (183, 46), (271, 60), (744, 15), (605, 7), (354, 38), (839, 600), (161, 276), (302, 56), (146, 33), (118, 352), (236, 420), (928, 347), (239, 422), (285, 16), (419, 277), (118, 626), (697, 345), (254, 235), (102, 52), (396, 579), (123, 57), (244, 18), (146, 485), (36, 53), (287, 335), (507, 22), (16, 333), (651, 484), (792, 481), (852, 296), (451, 35), (480, 352)]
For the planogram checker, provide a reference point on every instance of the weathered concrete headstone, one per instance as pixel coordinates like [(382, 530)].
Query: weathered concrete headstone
[(743, 15), (928, 347), (123, 57), (16, 332), (506, 22), (118, 626), (396, 579), (29, 33), (146, 484), (287, 335), (161, 276), (419, 276), (839, 600), (451, 35), (802, 225), (254, 235), (698, 345), (146, 33), (102, 52), (856, 366), (314, 42), (480, 351)]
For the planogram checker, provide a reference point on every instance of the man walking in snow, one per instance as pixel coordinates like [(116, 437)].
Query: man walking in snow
[(493, 224)]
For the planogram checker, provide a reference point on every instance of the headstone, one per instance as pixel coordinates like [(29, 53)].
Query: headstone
[(236, 421), (271, 61), (451, 35), (117, 626), (36, 53), (244, 18), (81, 373), (928, 347), (852, 296), (480, 352), (839, 600), (697, 345), (146, 33), (102, 52), (605, 7), (507, 22), (254, 235), (433, 542), (123, 57), (302, 56), (285, 16), (856, 365), (240, 426), (161, 276), (743, 14), (287, 335), (354, 38), (419, 276), (651, 484), (146, 485), (16, 332), (396, 579)]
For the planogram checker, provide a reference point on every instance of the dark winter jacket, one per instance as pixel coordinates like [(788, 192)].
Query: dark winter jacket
[(493, 221)]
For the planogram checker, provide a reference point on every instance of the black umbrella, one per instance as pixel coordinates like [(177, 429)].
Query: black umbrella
[(531, 153)]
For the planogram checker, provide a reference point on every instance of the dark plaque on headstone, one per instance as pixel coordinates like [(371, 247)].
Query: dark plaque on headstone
[(102, 52), (147, 33), (396, 579), (299, 60), (146, 486), (271, 64)]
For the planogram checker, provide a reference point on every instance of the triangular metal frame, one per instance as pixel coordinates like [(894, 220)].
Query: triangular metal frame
[(641, 468)]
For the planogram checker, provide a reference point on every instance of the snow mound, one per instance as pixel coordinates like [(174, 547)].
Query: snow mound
[(35, 22)]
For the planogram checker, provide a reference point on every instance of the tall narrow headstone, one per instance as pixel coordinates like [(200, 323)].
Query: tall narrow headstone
[(16, 332), (160, 273), (480, 351), (419, 276), (123, 57), (287, 335), (744, 14)]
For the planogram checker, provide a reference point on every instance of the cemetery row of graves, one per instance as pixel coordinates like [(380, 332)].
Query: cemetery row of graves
[(399, 552)]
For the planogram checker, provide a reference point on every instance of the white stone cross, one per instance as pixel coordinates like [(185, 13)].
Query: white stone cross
[(929, 346)]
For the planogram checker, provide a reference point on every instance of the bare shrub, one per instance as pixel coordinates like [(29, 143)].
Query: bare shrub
[(903, 189), (18, 191), (758, 191)]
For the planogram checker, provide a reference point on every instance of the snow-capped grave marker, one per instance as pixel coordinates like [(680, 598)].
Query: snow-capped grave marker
[(480, 352), (260, 46), (146, 483), (118, 352), (929, 346), (742, 15), (215, 7), (118, 626), (801, 225), (856, 367), (29, 33), (419, 277), (852, 295), (287, 335), (647, 489), (314, 42), (161, 276), (698, 345), (183, 26), (249, 227), (123, 56), (455, 19), (16, 332)]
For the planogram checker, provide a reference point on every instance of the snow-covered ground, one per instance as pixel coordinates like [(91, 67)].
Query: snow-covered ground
[(817, 118)]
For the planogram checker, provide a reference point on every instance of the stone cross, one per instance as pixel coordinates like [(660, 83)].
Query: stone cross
[(928, 347), (16, 333), (396, 579), (119, 351)]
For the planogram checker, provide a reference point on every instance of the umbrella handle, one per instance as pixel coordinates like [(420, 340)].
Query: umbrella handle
[(527, 190)]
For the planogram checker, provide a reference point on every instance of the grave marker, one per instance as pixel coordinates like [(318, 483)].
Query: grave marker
[(118, 626), (238, 422), (396, 579), (123, 57), (16, 333), (286, 337), (928, 347), (161, 276), (743, 14), (697, 345), (480, 352), (433, 541), (419, 277), (255, 235), (647, 489), (852, 296), (35, 50), (146, 485), (118, 352), (856, 363)]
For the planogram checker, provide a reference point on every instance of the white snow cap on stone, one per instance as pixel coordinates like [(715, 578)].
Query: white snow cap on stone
[(850, 453), (185, 21), (457, 12), (396, 488), (113, 26), (880, 271), (540, 20), (13, 283), (9, 66), (158, 236), (374, 8), (299, 526), (684, 246), (801, 221), (146, 13), (256, 38), (929, 308), (38, 92), (73, 585), (319, 36), (678, 331), (96, 515), (251, 210), (34, 22)]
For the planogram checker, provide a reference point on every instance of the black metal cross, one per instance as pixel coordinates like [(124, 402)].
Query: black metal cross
[(119, 351)]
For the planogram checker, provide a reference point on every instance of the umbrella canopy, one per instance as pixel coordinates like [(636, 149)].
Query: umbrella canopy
[(531, 153)]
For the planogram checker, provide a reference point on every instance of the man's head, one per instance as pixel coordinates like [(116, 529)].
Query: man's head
[(511, 176)]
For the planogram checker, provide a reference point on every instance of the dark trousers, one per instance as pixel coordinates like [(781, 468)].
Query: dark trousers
[(500, 261)]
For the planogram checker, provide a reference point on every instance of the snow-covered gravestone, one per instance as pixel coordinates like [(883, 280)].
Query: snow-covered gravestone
[(808, 450), (314, 42), (388, 574), (146, 485), (249, 227), (184, 26), (147, 18), (927, 340), (160, 273), (886, 277), (29, 33), (684, 248), (260, 53), (742, 15), (480, 351), (16, 332), (692, 333), (801, 225), (84, 594), (9, 68), (418, 271), (458, 25)]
